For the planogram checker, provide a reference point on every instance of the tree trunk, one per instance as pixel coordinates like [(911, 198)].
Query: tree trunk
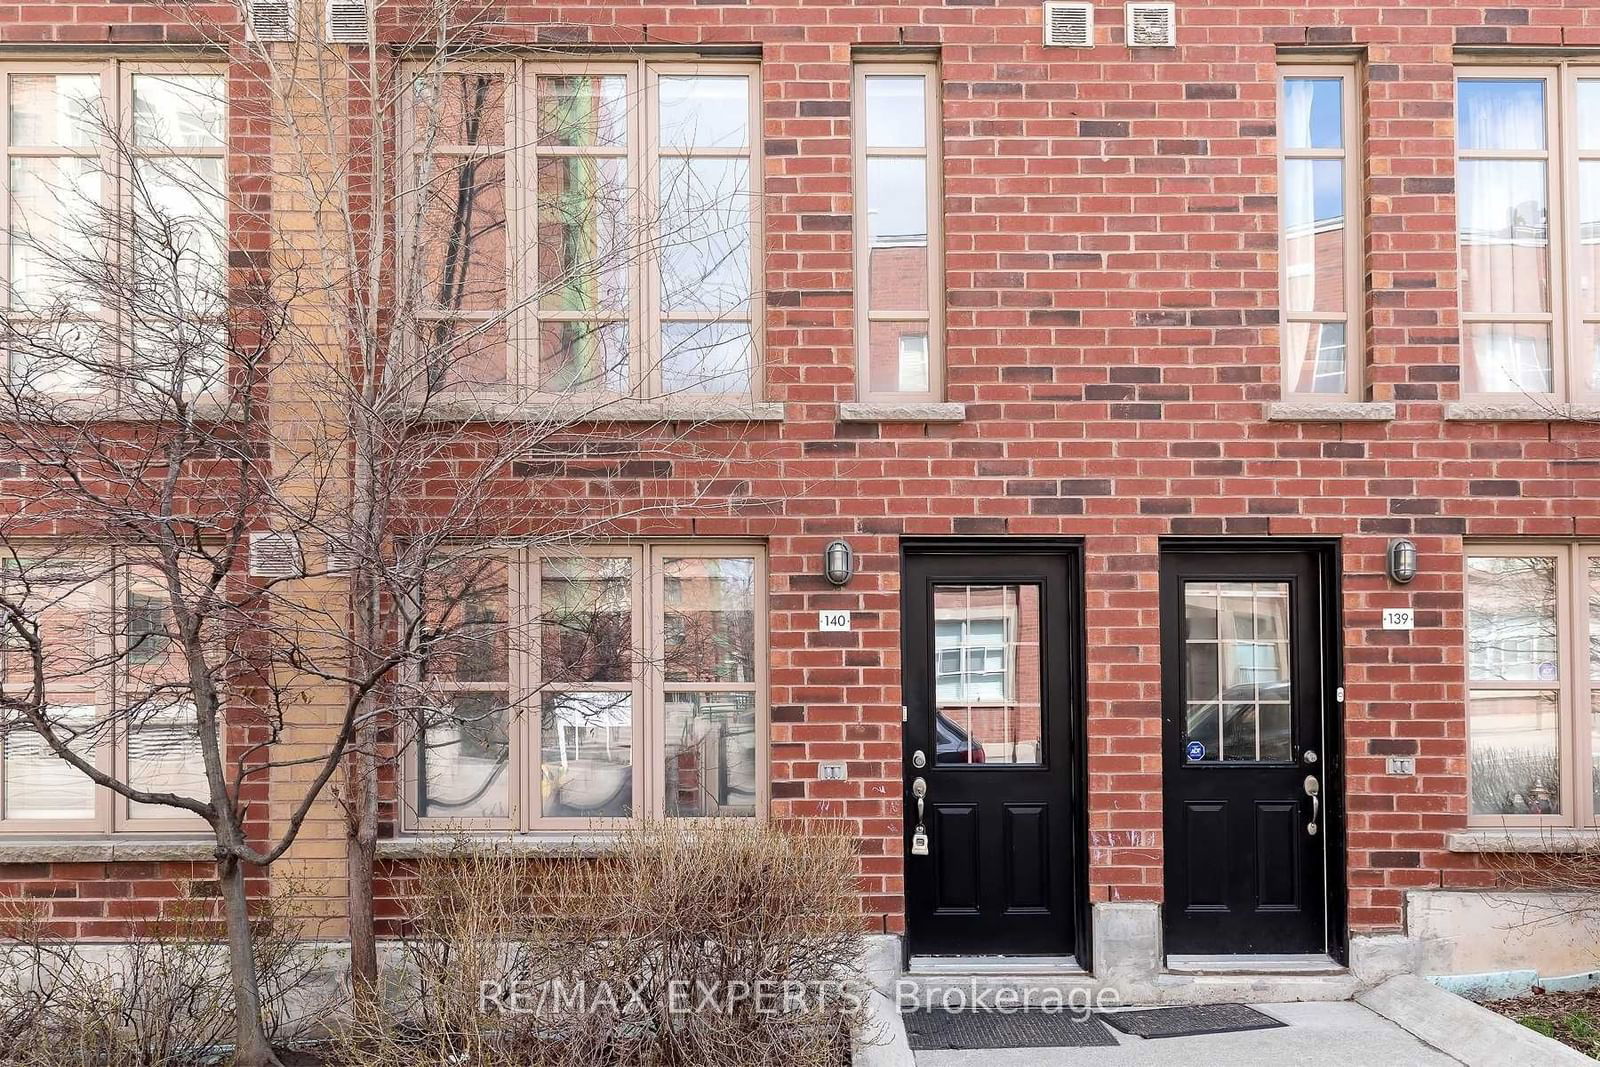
[(361, 852), (251, 1048)]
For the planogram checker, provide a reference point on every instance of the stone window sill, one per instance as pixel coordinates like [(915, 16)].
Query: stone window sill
[(1552, 840), (547, 843), (104, 850), (1520, 411), (621, 410), (1337, 411), (929, 412)]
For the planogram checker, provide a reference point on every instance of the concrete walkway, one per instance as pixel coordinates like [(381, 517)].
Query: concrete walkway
[(1318, 1035)]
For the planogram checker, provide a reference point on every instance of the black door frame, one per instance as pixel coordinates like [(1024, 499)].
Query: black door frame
[(1327, 552), (1071, 614)]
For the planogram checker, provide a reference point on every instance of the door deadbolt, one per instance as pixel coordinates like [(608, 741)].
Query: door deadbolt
[(918, 760)]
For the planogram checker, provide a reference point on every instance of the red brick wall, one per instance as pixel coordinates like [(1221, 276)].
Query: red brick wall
[(1111, 272)]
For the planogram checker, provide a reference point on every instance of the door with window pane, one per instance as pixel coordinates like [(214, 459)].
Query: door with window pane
[(991, 722), (1248, 791)]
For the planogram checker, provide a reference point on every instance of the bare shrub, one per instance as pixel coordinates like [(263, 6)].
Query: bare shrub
[(162, 998), (683, 946)]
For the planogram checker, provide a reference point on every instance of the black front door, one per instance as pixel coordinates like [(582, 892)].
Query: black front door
[(990, 673), (1244, 751)]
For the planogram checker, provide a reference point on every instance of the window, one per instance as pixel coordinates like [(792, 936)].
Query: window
[(1533, 672), (987, 670), (1528, 219), (98, 149), (1237, 672), (586, 229), (899, 258), (593, 688), (115, 688), (1321, 253)]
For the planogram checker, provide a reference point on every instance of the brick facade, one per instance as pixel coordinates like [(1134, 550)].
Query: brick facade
[(1111, 250)]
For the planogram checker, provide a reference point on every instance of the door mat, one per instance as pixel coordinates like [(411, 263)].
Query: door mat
[(1190, 1020), (936, 1029)]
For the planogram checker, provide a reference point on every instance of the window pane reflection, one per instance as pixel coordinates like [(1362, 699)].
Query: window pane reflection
[(586, 755), (1500, 113), (1511, 619), (1237, 672), (1503, 212), (1515, 752), (466, 759), (712, 758), (1313, 113), (1314, 234), (709, 623), (987, 674)]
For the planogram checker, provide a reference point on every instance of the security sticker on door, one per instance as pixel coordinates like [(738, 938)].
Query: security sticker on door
[(1399, 619), (833, 620), (1195, 751)]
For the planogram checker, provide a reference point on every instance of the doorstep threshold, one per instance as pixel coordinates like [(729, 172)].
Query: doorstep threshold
[(1256, 963), (994, 966)]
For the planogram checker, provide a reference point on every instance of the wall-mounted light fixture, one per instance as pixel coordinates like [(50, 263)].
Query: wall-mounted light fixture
[(838, 562), (1402, 559)]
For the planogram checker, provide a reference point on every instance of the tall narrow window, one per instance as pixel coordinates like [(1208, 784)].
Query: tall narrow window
[(1321, 316), (899, 260), (1585, 289), (1510, 307)]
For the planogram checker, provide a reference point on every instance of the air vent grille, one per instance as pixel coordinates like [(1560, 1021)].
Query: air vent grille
[(347, 21), (338, 559), (275, 555), (1069, 25), (1152, 25), (270, 20)]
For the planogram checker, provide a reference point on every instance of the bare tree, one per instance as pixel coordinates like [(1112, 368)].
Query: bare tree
[(269, 421)]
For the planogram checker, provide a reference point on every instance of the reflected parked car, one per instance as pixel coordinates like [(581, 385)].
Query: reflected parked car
[(952, 744), (1238, 737)]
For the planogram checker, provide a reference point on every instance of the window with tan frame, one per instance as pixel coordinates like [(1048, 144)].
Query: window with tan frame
[(899, 264), (586, 229), (1528, 223), (122, 163), (1321, 318), (115, 688), (1533, 677), (591, 688)]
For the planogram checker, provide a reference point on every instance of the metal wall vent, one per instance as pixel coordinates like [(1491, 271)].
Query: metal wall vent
[(347, 21), (1152, 25), (275, 555), (338, 559), (270, 20), (1069, 25)]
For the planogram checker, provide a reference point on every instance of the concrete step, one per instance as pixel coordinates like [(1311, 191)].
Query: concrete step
[(1256, 964)]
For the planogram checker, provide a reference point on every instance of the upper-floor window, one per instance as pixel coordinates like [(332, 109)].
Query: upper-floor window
[(605, 685), (585, 229), (1321, 237), (1533, 677), (114, 689), (1528, 219), (899, 264), (116, 227)]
